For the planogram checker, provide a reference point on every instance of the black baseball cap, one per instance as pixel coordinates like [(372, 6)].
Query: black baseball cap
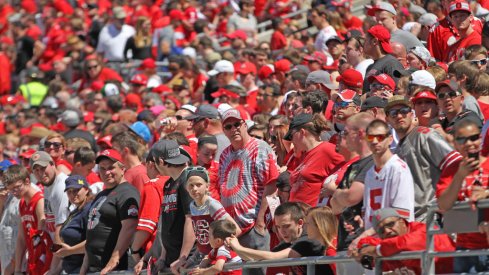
[(204, 111), (169, 151), (372, 102), (297, 121)]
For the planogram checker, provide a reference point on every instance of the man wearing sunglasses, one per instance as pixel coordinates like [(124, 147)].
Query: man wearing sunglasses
[(426, 153), (395, 235), (467, 182), (347, 104), (450, 100), (388, 182), (247, 172)]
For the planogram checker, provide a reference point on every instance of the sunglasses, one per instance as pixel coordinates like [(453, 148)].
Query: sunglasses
[(463, 140), (480, 62), (390, 225), (257, 137), (92, 67), (342, 104), (450, 94), (56, 145), (179, 117), (403, 111), (380, 138), (376, 86), (230, 126), (197, 169), (67, 153)]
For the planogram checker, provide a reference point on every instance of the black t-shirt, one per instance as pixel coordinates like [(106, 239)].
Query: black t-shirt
[(384, 65), (74, 232), (356, 172), (309, 248), (109, 208), (176, 204), (25, 51)]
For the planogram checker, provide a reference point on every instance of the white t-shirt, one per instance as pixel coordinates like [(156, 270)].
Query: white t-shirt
[(392, 186), (56, 203), (362, 66), (323, 36), (154, 81), (111, 41)]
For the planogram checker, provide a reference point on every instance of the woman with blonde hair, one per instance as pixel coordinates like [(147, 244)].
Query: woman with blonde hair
[(55, 146), (140, 43), (481, 93), (322, 225)]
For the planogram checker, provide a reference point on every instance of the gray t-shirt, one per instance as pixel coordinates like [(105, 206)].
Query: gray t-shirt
[(406, 38), (249, 25), (56, 202), (222, 143), (470, 103), (9, 228)]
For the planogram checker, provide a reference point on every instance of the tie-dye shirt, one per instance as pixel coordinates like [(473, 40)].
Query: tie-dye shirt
[(242, 177)]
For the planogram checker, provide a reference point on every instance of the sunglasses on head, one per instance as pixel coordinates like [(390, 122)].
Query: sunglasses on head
[(450, 94), (463, 140), (198, 169), (56, 145), (480, 62), (230, 126), (380, 138), (403, 111)]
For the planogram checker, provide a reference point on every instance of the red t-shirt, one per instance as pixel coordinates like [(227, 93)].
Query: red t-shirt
[(444, 33), (93, 178), (484, 109), (65, 163), (317, 164), (226, 254), (457, 50), (466, 240), (213, 169), (149, 214), (4, 74), (279, 41), (353, 23), (337, 176), (137, 176)]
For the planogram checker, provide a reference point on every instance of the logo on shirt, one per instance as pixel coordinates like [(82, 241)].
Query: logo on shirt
[(132, 211)]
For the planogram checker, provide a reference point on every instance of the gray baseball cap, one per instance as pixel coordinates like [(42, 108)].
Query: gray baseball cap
[(204, 111), (382, 214), (40, 158), (381, 6), (321, 77)]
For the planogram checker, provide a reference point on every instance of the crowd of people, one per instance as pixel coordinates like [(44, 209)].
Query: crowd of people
[(178, 136)]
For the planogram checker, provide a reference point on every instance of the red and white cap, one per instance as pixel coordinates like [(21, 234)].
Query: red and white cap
[(427, 94), (348, 95), (139, 79), (459, 6), (110, 154), (383, 79)]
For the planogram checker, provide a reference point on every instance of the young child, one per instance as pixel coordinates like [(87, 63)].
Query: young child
[(220, 253), (31, 238), (204, 210)]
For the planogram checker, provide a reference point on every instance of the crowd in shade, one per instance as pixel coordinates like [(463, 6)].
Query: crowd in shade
[(189, 136)]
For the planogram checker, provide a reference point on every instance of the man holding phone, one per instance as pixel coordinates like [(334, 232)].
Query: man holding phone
[(467, 181)]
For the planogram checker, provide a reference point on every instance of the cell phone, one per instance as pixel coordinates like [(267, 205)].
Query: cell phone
[(473, 155), (55, 247)]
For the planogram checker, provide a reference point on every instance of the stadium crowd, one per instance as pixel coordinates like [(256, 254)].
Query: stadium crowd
[(179, 135)]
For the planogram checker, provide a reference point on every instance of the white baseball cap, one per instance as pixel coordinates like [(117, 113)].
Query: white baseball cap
[(381, 6), (222, 66), (423, 78)]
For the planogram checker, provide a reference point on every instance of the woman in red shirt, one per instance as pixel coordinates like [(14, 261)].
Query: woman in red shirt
[(319, 159)]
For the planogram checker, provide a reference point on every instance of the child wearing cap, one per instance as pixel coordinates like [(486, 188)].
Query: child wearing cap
[(204, 210), (461, 17)]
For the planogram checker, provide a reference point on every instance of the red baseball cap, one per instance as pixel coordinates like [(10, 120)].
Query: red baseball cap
[(351, 77), (147, 63), (383, 35), (316, 56), (266, 71), (105, 140), (161, 89), (427, 94), (28, 153), (348, 95), (110, 154), (459, 6), (97, 85), (176, 15), (246, 68), (10, 99), (224, 92), (139, 79), (237, 34), (383, 79), (283, 65)]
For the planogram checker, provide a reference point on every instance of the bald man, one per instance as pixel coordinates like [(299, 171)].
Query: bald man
[(399, 51)]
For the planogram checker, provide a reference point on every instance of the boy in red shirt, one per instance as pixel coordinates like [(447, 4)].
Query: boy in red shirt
[(461, 16), (31, 238), (220, 253), (278, 41)]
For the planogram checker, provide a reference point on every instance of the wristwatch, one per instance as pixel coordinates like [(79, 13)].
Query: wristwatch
[(140, 251)]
